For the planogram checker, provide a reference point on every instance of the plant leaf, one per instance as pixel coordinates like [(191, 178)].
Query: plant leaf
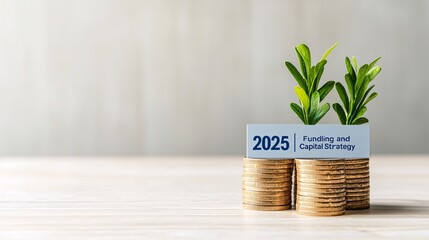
[(304, 51), (343, 95), (361, 92), (354, 63), (320, 67), (314, 105), (350, 85), (360, 121), (325, 89), (320, 113), (373, 73), (298, 77), (373, 63), (302, 64), (303, 97), (328, 51), (298, 110), (340, 112), (372, 96), (350, 68), (361, 77), (361, 112)]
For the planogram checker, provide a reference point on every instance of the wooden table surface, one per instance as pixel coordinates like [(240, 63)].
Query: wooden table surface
[(191, 198)]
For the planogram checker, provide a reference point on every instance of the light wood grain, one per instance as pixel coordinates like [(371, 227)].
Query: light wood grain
[(190, 198)]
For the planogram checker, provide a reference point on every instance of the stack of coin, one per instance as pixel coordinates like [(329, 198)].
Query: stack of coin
[(267, 184), (357, 180), (321, 189)]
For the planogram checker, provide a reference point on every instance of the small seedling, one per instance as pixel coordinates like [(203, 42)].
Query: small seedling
[(308, 79), (357, 80)]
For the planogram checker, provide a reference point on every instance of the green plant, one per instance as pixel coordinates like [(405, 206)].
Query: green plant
[(357, 80), (308, 79)]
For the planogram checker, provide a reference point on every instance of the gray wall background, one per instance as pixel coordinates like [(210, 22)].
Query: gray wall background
[(101, 77)]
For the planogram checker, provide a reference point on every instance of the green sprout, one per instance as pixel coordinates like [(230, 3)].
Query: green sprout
[(357, 80), (308, 79)]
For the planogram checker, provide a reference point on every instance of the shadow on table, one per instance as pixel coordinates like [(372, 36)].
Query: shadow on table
[(407, 207)]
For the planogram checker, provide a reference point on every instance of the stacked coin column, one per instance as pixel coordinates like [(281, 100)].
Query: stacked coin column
[(267, 184), (357, 180), (321, 189)]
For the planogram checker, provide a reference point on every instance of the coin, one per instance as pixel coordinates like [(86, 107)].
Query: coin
[(266, 166), (357, 161), (277, 189), (319, 199), (362, 189), (358, 207), (267, 185), (265, 175), (358, 198), (268, 161), (321, 185), (266, 203), (321, 194), (353, 176), (321, 204), (266, 193), (320, 167), (267, 180), (266, 198), (356, 166), (323, 181), (357, 171), (325, 214), (358, 185), (263, 170), (320, 172), (357, 194), (321, 176), (357, 180), (313, 162), (266, 208), (359, 202), (321, 209), (321, 190)]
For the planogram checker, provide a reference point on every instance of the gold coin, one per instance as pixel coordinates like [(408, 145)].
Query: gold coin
[(267, 180), (357, 161), (266, 175), (270, 198), (320, 167), (321, 194), (358, 185), (321, 190), (321, 172), (266, 208), (322, 181), (354, 176), (357, 171), (357, 180), (362, 189), (357, 194), (358, 198), (359, 202), (323, 176), (266, 166), (267, 203), (321, 185), (264, 170), (320, 214), (265, 189), (356, 166), (267, 185), (314, 162), (358, 207), (268, 161), (321, 209), (266, 193), (321, 204), (319, 199)]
